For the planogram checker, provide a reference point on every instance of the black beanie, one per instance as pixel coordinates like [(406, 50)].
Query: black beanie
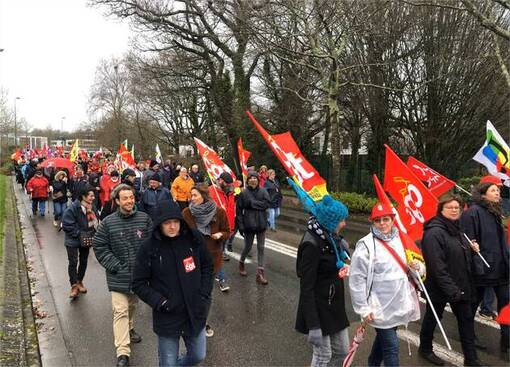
[(155, 177)]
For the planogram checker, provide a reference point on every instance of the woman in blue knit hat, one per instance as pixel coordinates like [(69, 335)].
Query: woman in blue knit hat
[(321, 311)]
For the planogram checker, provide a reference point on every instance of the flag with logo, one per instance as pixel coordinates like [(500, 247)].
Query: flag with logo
[(159, 157), (290, 156), (74, 153), (416, 204), (435, 182), (244, 155), (124, 158), (495, 154)]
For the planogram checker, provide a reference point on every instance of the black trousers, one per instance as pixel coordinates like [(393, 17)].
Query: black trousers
[(463, 311), (77, 271), (502, 295)]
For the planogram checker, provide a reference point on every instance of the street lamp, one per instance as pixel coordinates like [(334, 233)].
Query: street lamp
[(15, 123)]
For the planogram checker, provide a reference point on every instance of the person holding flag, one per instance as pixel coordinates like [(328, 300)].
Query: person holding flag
[(382, 292), (448, 257)]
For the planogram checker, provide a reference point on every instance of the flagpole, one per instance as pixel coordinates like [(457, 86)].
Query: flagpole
[(478, 253), (463, 190), (429, 302)]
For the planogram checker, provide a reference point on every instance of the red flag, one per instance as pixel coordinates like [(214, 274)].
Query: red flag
[(125, 158), (504, 316), (44, 151), (411, 250), (288, 153), (416, 204), (243, 159), (16, 155), (435, 182)]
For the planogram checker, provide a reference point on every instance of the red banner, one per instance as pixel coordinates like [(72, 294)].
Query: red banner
[(411, 250), (244, 155), (288, 153), (435, 182), (416, 204)]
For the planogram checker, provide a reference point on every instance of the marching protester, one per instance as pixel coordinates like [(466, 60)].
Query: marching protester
[(140, 172), (263, 174), (211, 221), (196, 175), (153, 196), (381, 292), (128, 177), (153, 168), (173, 275), (59, 196), (79, 223), (181, 188), (38, 188), (251, 217), (117, 240), (275, 196), (94, 181), (482, 223), (107, 184), (448, 257), (321, 310), (78, 182), (167, 174)]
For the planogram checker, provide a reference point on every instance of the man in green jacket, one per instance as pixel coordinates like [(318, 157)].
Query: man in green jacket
[(116, 244)]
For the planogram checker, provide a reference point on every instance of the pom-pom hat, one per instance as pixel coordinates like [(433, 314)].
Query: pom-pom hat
[(329, 212)]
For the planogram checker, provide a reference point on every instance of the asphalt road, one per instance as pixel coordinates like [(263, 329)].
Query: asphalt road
[(253, 324)]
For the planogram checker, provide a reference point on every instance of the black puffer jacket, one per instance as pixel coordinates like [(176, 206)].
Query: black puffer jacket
[(180, 270), (251, 206), (487, 229), (321, 297), (75, 221), (275, 194), (448, 258)]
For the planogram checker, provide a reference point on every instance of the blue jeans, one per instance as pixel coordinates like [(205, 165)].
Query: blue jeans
[(385, 348), (58, 210), (488, 301), (221, 274), (168, 349), (42, 206), (273, 213)]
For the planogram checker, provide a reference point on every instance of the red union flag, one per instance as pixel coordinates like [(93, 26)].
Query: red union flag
[(416, 204), (212, 162), (288, 153), (243, 159), (435, 182)]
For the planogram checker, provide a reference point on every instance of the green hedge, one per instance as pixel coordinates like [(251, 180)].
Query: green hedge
[(357, 203)]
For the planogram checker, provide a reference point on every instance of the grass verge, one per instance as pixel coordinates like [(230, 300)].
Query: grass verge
[(2, 212)]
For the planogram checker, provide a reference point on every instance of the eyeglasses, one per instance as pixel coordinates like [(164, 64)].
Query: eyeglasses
[(451, 207), (382, 220)]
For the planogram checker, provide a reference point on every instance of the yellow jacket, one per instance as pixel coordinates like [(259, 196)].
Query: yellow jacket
[(181, 188)]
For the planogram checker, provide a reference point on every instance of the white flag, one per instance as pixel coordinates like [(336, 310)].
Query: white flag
[(159, 157)]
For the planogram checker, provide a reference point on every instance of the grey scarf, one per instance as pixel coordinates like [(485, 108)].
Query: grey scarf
[(203, 214), (385, 237)]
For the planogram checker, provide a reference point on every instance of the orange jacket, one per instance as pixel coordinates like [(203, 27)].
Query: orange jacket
[(181, 188)]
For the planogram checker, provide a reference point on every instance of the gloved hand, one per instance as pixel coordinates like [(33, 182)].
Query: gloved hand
[(163, 306), (315, 337)]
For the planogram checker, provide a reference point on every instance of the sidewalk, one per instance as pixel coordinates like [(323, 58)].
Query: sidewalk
[(18, 336)]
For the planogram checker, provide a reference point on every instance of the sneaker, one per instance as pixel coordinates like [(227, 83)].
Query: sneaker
[(134, 337), (209, 332), (122, 361), (55, 223), (226, 258), (224, 287), (488, 315), (216, 278)]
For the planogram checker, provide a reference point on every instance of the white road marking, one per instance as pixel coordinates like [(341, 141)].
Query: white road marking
[(442, 352)]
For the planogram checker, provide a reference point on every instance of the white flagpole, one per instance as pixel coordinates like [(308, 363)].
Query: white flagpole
[(433, 310), (463, 190), (478, 253)]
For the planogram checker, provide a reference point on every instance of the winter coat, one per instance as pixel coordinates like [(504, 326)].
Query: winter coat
[(487, 229), (76, 184), (60, 186), (181, 188), (226, 201), (177, 269), (74, 221), (196, 176), (448, 258), (38, 187), (275, 194), (167, 176), (116, 243), (218, 224), (321, 297), (379, 285), (107, 185), (251, 209), (150, 199)]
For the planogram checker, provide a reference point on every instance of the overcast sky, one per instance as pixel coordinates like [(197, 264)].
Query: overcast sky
[(51, 50)]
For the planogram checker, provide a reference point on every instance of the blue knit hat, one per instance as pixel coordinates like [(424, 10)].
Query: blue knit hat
[(329, 212)]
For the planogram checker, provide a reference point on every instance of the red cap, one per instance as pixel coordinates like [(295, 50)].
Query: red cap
[(380, 210), (491, 179)]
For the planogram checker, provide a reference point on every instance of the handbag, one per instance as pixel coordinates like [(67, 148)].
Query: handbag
[(86, 238), (57, 195)]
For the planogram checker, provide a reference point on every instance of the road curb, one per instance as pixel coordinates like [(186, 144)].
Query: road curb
[(52, 345)]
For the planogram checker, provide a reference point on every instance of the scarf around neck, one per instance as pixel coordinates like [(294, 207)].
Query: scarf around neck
[(386, 237), (337, 242), (203, 215)]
